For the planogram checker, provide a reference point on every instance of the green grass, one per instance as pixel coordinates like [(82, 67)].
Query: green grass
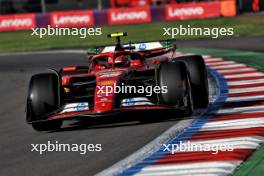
[(254, 165), (23, 41)]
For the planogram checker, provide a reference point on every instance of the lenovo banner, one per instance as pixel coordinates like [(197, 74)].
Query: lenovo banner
[(72, 18), (17, 22), (129, 15), (192, 10)]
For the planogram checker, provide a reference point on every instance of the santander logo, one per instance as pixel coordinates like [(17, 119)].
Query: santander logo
[(73, 19), (190, 11), (7, 23), (121, 16)]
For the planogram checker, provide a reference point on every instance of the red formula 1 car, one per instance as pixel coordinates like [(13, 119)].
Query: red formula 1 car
[(120, 78)]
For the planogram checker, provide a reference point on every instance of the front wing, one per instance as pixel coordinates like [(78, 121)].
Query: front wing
[(59, 115)]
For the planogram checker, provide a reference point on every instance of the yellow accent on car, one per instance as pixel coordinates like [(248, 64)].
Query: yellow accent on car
[(106, 83), (66, 89), (119, 34)]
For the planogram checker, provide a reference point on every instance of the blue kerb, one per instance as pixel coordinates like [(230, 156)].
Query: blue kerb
[(189, 131)]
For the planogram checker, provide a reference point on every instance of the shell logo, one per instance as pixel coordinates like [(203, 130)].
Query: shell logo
[(106, 83)]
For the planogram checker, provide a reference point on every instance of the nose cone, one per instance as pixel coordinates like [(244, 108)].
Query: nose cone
[(105, 90)]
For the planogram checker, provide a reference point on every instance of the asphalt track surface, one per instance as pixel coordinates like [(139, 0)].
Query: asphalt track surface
[(118, 139)]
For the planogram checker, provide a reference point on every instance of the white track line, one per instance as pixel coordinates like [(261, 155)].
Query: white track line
[(227, 127), (210, 59), (233, 124), (248, 109), (244, 75), (198, 169), (248, 142), (202, 165), (231, 83), (191, 172), (220, 63), (228, 66), (245, 98), (236, 70), (244, 90)]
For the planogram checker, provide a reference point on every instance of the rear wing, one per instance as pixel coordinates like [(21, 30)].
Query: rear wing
[(136, 47), (147, 48)]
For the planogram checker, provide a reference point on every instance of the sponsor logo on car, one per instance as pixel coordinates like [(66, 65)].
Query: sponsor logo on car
[(106, 83), (109, 74), (136, 101), (142, 46), (73, 107), (128, 102), (81, 106), (138, 46)]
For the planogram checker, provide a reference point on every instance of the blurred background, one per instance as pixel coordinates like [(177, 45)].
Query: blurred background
[(137, 17), (38, 6)]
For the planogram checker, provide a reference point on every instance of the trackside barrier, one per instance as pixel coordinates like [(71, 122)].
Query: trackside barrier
[(72, 18), (17, 22), (146, 14), (192, 10), (129, 15)]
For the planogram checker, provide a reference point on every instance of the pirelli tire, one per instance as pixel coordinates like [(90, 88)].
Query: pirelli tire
[(175, 76), (199, 81), (43, 99)]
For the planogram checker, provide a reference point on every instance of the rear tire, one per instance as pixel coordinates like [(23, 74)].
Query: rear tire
[(199, 82), (43, 99)]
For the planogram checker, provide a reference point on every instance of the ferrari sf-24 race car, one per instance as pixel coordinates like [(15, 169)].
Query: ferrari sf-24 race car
[(77, 91)]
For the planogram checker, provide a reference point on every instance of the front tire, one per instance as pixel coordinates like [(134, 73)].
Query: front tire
[(43, 99), (175, 77), (47, 126), (199, 82)]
